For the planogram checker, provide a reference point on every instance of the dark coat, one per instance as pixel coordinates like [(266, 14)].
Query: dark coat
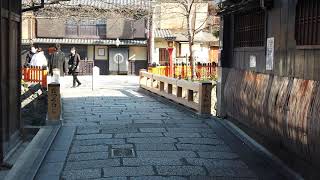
[(28, 58), (73, 63), (58, 60)]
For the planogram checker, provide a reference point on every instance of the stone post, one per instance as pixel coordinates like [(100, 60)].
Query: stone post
[(54, 103), (205, 98)]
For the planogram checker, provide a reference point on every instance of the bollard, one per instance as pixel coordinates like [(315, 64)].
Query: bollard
[(205, 98), (54, 103), (56, 75), (95, 75)]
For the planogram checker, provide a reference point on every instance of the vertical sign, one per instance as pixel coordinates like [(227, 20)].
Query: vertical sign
[(54, 104), (270, 54)]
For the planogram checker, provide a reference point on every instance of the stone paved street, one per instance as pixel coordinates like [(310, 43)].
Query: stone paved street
[(116, 132)]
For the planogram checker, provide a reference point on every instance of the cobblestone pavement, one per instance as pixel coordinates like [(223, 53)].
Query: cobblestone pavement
[(115, 132)]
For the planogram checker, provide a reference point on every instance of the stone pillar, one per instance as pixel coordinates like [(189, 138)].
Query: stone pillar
[(54, 103), (95, 77), (205, 98)]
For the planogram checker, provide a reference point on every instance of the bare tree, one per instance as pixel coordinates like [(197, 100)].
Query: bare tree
[(186, 12)]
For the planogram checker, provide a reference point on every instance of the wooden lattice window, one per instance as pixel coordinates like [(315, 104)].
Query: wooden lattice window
[(308, 22), (86, 29), (163, 56), (249, 30)]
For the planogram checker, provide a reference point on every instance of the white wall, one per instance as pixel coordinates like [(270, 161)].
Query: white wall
[(138, 53), (201, 51)]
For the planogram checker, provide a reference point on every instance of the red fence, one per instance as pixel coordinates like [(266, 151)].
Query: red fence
[(35, 75), (183, 71)]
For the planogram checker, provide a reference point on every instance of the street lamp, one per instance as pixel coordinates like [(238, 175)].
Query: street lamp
[(118, 42), (117, 57)]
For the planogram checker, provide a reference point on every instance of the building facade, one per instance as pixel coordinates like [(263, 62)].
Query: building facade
[(170, 24), (116, 45), (10, 121), (270, 70)]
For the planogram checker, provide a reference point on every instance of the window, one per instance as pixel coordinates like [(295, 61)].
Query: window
[(249, 30), (86, 29), (163, 56), (308, 22)]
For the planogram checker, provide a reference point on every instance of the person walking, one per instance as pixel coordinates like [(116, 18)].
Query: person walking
[(39, 59), (57, 61), (29, 56), (73, 64)]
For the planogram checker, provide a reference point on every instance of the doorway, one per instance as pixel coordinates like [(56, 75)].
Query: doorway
[(118, 60)]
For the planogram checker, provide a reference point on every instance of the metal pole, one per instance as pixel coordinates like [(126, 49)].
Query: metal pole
[(94, 57)]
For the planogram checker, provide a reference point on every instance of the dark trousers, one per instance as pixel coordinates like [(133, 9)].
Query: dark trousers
[(75, 78)]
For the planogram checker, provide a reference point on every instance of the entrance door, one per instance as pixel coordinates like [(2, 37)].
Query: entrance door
[(118, 60)]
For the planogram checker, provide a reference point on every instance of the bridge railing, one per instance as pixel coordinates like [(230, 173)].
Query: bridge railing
[(35, 74), (203, 71), (195, 95)]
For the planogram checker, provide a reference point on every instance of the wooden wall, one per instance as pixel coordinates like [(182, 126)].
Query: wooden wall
[(285, 110), (9, 75), (282, 104), (290, 60), (116, 28)]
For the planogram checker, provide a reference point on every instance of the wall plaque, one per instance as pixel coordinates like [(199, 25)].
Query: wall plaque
[(270, 54)]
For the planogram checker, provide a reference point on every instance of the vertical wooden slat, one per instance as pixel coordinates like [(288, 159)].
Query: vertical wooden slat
[(307, 22), (249, 29), (1, 90), (318, 22)]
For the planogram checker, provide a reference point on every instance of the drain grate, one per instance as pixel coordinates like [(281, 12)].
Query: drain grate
[(122, 152)]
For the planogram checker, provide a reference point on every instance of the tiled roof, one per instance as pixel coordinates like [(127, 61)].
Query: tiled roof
[(101, 4), (163, 33), (109, 3), (84, 41)]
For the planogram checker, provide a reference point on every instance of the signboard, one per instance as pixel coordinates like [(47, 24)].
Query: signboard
[(54, 102), (253, 61), (270, 54)]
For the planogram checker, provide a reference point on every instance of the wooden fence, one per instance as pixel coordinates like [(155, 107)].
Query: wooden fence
[(35, 75), (195, 95), (85, 67), (285, 110), (205, 71)]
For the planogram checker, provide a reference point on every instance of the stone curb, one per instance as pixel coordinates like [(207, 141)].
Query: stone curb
[(29, 162), (255, 146)]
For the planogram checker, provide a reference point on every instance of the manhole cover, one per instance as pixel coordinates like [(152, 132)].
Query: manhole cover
[(122, 152)]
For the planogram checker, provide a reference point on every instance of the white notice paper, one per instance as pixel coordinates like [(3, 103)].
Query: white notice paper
[(253, 61), (270, 54)]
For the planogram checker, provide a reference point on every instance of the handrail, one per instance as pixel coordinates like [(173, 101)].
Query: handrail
[(183, 71), (156, 84)]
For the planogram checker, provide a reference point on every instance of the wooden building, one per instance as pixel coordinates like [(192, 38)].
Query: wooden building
[(116, 44), (10, 123), (170, 24), (270, 71)]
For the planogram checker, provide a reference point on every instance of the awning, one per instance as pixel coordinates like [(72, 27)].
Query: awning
[(163, 33), (235, 6), (83, 41)]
